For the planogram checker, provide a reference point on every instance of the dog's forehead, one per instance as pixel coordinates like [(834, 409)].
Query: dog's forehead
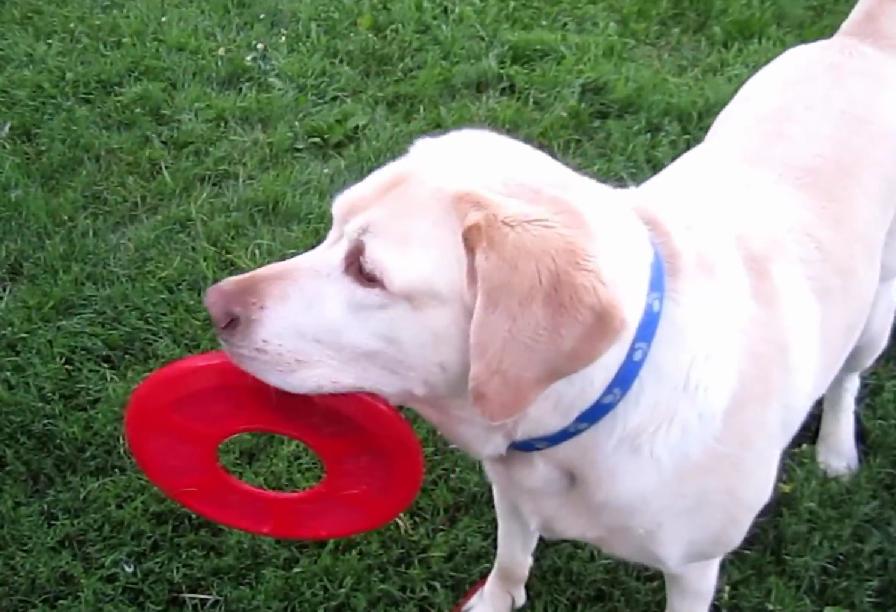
[(413, 185), (374, 189), (391, 200)]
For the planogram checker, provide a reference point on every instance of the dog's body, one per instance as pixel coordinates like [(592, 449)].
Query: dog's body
[(496, 291)]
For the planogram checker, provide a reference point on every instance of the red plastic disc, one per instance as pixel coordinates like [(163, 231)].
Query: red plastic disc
[(179, 415)]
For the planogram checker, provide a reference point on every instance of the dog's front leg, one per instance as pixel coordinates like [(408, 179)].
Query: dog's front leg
[(505, 588), (691, 588)]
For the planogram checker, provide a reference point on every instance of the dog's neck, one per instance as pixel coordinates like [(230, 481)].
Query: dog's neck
[(624, 252)]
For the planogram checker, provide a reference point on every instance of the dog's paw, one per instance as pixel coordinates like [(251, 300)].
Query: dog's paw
[(837, 460), (495, 598)]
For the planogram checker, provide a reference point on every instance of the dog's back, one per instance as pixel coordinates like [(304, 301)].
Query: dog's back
[(797, 179), (872, 22)]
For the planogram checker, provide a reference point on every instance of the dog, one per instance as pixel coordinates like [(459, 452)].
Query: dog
[(628, 363)]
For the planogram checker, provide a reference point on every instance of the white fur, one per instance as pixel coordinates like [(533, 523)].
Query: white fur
[(780, 224)]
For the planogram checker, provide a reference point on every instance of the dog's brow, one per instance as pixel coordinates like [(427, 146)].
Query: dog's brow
[(364, 195)]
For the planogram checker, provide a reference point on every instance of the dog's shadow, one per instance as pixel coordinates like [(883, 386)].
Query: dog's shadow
[(807, 436), (808, 433)]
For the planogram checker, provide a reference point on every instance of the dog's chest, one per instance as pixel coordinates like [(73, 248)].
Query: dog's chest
[(598, 507), (626, 509)]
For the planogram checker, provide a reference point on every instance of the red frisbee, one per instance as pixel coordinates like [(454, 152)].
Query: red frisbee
[(179, 415)]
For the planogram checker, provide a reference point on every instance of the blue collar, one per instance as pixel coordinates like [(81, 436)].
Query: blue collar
[(626, 374)]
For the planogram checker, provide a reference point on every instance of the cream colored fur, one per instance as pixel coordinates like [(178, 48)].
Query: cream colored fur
[(495, 290)]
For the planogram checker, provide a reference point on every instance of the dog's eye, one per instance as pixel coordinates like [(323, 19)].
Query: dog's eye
[(357, 270), (366, 277)]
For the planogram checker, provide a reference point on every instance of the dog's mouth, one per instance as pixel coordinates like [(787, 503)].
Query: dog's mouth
[(260, 361), (245, 360)]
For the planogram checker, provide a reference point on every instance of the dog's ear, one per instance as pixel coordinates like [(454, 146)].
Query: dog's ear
[(540, 309)]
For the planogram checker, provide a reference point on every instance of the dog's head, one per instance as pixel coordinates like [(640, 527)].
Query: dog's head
[(459, 270)]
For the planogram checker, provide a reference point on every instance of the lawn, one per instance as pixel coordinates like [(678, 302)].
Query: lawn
[(149, 147)]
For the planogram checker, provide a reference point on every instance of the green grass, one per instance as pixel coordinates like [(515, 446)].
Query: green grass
[(149, 147)]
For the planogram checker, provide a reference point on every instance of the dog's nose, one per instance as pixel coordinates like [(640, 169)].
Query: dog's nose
[(224, 305)]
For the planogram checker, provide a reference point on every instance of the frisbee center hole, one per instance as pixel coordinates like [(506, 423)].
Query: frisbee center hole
[(271, 461)]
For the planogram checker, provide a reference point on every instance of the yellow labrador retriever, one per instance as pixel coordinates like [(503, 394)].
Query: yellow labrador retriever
[(629, 363)]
